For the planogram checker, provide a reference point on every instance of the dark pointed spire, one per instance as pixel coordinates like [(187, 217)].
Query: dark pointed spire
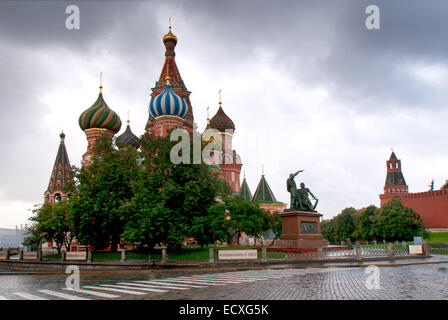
[(61, 173), (245, 191), (263, 192)]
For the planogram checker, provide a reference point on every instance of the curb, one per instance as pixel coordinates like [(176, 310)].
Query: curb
[(216, 268)]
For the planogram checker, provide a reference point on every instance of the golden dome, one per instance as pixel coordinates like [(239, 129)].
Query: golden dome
[(169, 36)]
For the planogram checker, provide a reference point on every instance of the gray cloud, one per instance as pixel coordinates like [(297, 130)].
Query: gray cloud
[(374, 100)]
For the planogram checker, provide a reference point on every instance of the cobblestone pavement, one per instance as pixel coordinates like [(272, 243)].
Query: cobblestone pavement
[(427, 281)]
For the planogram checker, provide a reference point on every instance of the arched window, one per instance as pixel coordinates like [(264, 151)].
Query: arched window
[(57, 197)]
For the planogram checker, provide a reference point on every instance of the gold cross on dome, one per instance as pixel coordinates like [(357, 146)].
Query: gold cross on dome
[(219, 93)]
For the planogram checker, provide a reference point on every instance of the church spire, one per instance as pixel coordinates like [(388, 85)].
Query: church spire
[(245, 190), (60, 176), (170, 68), (263, 194), (177, 85)]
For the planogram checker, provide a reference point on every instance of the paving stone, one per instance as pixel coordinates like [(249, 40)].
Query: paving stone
[(411, 282)]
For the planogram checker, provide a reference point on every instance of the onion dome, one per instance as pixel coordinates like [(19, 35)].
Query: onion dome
[(128, 138), (169, 37), (221, 121), (168, 103), (100, 116)]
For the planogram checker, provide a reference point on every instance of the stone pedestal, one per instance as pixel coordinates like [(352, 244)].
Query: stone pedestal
[(301, 230)]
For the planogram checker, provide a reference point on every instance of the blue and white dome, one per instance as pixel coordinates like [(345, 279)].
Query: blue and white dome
[(168, 103)]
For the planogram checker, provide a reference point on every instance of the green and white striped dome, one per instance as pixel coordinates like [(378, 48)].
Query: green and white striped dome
[(100, 116)]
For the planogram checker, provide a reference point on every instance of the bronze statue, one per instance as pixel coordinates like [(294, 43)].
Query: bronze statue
[(300, 197), (292, 188), (304, 199)]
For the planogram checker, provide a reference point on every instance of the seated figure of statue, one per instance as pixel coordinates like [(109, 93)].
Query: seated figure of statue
[(303, 193)]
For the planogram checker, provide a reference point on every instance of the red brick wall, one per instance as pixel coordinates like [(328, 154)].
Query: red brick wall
[(431, 205)]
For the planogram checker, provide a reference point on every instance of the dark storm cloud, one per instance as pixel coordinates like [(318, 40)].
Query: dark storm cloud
[(315, 42), (41, 23), (327, 43)]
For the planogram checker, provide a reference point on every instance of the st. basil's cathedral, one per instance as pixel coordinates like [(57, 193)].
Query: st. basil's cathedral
[(169, 107)]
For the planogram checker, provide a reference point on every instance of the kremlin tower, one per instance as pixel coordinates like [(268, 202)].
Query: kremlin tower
[(432, 205), (395, 184)]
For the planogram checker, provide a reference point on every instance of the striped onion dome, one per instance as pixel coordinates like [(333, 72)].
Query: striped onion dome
[(100, 116), (127, 138), (167, 103), (221, 121)]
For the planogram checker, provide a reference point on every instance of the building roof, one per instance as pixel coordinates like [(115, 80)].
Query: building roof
[(395, 178), (168, 103), (263, 192), (221, 121), (128, 138), (61, 173), (394, 175), (393, 156), (245, 191)]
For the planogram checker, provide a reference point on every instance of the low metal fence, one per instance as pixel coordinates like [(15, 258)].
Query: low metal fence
[(437, 247), (335, 252), (374, 251)]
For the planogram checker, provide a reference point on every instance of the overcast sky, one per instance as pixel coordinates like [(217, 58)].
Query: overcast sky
[(306, 84)]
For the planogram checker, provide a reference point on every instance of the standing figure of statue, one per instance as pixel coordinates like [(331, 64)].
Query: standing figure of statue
[(292, 188), (304, 199)]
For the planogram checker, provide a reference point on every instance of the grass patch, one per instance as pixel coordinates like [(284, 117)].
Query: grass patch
[(437, 236)]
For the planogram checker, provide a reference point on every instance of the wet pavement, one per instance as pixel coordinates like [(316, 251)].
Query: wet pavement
[(414, 281)]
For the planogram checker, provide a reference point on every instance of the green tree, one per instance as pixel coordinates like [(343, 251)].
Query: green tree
[(363, 220), (328, 229), (51, 222), (396, 222), (172, 201), (103, 188), (345, 224), (244, 216), (272, 221)]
